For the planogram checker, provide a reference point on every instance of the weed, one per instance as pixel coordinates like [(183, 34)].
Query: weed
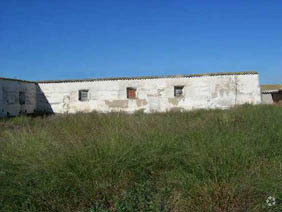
[(205, 160)]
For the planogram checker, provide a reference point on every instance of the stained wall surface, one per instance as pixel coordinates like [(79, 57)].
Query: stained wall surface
[(272, 97), (11, 104), (277, 97), (152, 95), (266, 98)]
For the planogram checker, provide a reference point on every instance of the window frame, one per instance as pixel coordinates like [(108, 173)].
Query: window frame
[(130, 89), (80, 96), (178, 87), (22, 98)]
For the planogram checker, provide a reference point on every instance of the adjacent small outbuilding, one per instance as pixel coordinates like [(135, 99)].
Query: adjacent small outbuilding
[(17, 97), (271, 94)]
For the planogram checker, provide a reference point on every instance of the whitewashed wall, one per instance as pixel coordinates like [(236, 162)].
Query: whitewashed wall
[(220, 91), (266, 98), (9, 97)]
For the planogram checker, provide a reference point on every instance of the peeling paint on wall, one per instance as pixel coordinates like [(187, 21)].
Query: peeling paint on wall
[(66, 105), (158, 94), (152, 94), (175, 101), (141, 102), (10, 94), (117, 103), (177, 109)]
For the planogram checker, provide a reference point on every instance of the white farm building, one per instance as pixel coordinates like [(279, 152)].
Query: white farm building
[(149, 94)]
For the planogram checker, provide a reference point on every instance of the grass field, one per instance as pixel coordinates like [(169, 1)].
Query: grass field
[(194, 161)]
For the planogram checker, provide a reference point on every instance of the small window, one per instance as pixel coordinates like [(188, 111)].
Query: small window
[(131, 93), (83, 95), (22, 98), (178, 91)]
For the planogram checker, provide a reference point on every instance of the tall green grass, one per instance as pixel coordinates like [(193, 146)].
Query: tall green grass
[(214, 160)]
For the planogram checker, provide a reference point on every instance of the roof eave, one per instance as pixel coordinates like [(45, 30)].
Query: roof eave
[(150, 77)]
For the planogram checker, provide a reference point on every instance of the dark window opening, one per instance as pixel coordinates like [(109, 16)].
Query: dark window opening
[(178, 91), (131, 93), (22, 98), (83, 95), (277, 97)]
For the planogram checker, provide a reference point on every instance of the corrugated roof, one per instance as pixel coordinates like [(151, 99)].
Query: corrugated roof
[(134, 78), (16, 80), (150, 77)]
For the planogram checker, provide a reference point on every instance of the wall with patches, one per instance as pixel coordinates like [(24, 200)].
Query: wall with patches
[(17, 97), (272, 97), (266, 98), (152, 94)]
